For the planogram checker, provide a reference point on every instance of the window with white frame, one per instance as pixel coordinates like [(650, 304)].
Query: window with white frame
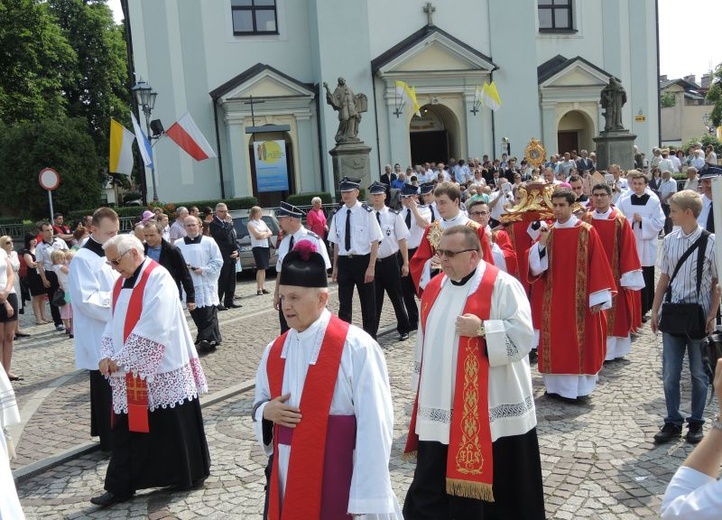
[(254, 17)]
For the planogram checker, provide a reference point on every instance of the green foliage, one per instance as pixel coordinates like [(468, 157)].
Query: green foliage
[(26, 148), (96, 88), (304, 199), (714, 95), (705, 140), (668, 99)]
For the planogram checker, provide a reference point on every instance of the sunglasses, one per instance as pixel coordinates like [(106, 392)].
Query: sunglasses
[(451, 254), (116, 262)]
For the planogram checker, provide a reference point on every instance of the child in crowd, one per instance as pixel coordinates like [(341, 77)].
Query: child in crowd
[(61, 260)]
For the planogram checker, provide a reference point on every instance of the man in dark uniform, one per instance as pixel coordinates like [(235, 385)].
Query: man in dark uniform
[(426, 193), (355, 234), (417, 218), (388, 274), (225, 236)]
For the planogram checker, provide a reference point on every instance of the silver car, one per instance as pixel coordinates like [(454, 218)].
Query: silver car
[(243, 239)]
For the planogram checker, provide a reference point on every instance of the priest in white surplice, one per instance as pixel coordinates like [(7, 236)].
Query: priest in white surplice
[(90, 283), (156, 377), (9, 415), (473, 425), (204, 260), (328, 438)]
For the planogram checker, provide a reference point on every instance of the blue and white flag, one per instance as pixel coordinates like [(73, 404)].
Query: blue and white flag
[(145, 149)]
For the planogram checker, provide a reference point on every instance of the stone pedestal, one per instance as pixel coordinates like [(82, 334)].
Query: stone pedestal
[(615, 147), (351, 159)]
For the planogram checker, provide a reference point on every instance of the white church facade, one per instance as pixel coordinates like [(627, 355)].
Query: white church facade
[(251, 71)]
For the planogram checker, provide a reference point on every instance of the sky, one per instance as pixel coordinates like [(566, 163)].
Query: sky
[(687, 33)]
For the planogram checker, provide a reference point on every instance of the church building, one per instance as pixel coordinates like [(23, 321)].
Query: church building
[(251, 74)]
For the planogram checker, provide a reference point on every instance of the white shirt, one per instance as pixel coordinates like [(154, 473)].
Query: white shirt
[(692, 495), (393, 229), (302, 234), (416, 233), (646, 232), (704, 214), (361, 389), (4, 264), (206, 256), (177, 230), (43, 251), (364, 229), (260, 226), (668, 187)]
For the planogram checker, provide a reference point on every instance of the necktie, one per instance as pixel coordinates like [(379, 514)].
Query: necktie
[(378, 218), (347, 238), (408, 219), (710, 219), (290, 243), (432, 214)]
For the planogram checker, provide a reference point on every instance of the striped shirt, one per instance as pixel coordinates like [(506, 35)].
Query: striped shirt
[(684, 285)]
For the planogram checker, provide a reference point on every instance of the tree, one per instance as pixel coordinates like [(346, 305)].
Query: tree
[(668, 99), (34, 56), (28, 147), (714, 95), (96, 89)]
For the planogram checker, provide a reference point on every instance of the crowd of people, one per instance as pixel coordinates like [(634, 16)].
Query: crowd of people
[(487, 296)]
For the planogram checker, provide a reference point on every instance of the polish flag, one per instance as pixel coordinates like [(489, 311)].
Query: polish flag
[(188, 136)]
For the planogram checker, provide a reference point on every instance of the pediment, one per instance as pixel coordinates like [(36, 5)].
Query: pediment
[(431, 49), (263, 81), (575, 72)]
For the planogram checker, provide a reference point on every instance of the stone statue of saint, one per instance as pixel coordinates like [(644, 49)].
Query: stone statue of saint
[(613, 99), (349, 108)]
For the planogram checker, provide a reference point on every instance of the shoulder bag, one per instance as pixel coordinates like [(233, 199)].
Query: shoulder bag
[(685, 319)]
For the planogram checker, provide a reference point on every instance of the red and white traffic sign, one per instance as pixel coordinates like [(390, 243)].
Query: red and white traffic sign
[(49, 179)]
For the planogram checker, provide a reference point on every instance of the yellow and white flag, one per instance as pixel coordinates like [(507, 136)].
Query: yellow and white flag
[(407, 96), (121, 149), (490, 95)]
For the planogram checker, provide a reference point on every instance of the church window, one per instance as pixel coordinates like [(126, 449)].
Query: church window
[(555, 15), (254, 17)]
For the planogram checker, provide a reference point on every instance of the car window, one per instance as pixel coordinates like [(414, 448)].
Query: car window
[(241, 225)]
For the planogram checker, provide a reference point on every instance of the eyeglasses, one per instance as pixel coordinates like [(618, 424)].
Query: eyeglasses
[(9, 243), (116, 262), (451, 254), (478, 213)]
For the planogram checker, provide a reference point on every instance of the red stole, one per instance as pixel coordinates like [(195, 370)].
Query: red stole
[(136, 388), (469, 466), (305, 468)]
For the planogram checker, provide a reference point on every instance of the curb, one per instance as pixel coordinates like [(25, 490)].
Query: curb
[(41, 466)]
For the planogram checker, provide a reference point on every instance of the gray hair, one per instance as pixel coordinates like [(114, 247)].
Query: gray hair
[(316, 200), (124, 243), (221, 205), (154, 224), (181, 210)]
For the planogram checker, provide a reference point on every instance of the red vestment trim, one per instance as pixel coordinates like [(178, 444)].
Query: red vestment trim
[(469, 466), (136, 387), (304, 481)]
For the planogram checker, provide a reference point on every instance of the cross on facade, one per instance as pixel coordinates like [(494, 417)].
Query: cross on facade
[(429, 9)]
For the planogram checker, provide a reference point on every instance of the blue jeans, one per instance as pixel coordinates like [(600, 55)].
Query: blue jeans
[(672, 359)]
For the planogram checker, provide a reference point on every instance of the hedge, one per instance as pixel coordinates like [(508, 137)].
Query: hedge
[(304, 199)]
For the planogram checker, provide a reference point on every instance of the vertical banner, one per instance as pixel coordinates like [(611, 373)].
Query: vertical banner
[(271, 166)]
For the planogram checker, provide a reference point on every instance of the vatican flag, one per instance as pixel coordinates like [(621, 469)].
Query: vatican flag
[(407, 96), (121, 149), (490, 95)]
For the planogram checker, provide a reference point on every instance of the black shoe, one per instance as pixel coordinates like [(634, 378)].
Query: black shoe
[(204, 346), (22, 335), (667, 433), (213, 346), (222, 308), (108, 499), (196, 484), (533, 356), (694, 434), (233, 305), (403, 336)]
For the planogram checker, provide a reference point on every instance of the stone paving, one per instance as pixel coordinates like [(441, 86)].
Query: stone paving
[(598, 459)]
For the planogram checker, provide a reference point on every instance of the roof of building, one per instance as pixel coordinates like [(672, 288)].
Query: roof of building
[(558, 63), (251, 72)]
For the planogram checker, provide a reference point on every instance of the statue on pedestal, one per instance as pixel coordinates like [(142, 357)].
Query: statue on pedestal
[(613, 99), (349, 108)]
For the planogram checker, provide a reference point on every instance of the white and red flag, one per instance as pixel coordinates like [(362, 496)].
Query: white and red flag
[(188, 136)]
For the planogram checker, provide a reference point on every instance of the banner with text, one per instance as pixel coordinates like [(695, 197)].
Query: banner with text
[(271, 166)]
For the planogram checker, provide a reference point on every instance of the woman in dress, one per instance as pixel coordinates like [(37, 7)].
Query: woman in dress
[(7, 244), (35, 283), (710, 157), (260, 234), (8, 314), (316, 219)]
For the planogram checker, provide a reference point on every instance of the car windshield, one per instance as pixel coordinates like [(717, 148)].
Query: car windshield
[(240, 224)]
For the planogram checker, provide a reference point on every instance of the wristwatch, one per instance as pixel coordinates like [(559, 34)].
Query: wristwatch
[(481, 332), (716, 424)]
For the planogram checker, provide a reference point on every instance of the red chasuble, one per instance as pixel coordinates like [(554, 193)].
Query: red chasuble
[(305, 479), (521, 242), (618, 240), (469, 464), (136, 388), (501, 239), (572, 340), (429, 243)]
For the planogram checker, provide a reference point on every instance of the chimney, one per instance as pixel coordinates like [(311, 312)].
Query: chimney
[(707, 80), (691, 79), (663, 77)]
